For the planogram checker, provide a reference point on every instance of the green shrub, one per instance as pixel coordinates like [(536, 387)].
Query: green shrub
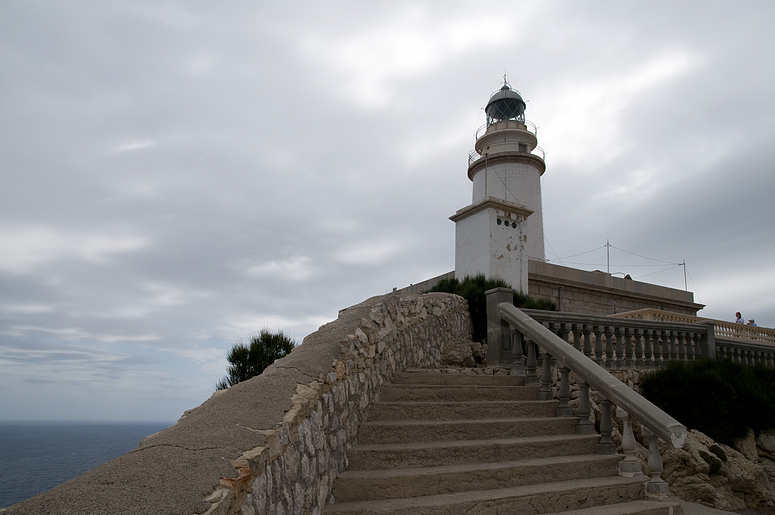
[(718, 397), (472, 289), (248, 360)]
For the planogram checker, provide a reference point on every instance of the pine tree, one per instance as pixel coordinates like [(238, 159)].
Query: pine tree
[(248, 360)]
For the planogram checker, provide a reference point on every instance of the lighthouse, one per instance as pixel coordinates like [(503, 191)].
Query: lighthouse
[(503, 226)]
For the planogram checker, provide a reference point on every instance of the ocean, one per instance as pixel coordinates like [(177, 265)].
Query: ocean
[(37, 456)]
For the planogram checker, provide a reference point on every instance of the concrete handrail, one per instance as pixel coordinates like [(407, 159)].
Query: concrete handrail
[(640, 408)]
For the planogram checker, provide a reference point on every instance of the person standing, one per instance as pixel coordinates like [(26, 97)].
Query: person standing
[(739, 319)]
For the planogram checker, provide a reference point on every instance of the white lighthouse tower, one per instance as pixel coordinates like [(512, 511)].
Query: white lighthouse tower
[(503, 226)]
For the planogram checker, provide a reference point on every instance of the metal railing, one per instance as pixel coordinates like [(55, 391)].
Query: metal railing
[(474, 156), (526, 125)]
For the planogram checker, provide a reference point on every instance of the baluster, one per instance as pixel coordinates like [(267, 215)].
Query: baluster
[(545, 394), (606, 445), (577, 337), (681, 346), (588, 342), (628, 351), (609, 347), (697, 339), (736, 355), (656, 487), (690, 345), (648, 353), (658, 343), (638, 358), (599, 358), (620, 347), (564, 409), (673, 345), (629, 466), (662, 353), (531, 378), (566, 332), (585, 426), (518, 357)]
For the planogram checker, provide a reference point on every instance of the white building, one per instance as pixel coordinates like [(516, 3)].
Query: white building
[(503, 226)]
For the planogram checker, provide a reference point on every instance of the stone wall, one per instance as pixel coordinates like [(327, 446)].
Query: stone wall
[(275, 443), (598, 293), (295, 471), (590, 293)]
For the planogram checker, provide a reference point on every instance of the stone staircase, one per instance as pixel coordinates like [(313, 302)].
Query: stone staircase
[(473, 444)]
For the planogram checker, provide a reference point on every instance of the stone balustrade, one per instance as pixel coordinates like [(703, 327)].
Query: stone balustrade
[(723, 329), (620, 344), (617, 343)]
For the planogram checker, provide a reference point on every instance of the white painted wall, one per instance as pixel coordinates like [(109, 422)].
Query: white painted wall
[(482, 245), (519, 183)]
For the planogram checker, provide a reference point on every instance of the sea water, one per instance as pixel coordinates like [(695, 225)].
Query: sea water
[(37, 456)]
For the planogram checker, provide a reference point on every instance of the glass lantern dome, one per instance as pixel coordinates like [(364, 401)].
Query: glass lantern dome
[(505, 104)]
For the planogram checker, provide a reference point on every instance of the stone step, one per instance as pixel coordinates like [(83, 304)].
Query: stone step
[(641, 507), (450, 393), (405, 431), (424, 377), (430, 454), (359, 485), (427, 410), (557, 496)]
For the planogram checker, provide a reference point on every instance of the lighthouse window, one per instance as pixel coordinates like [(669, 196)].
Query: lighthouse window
[(499, 221), (514, 224), (522, 147)]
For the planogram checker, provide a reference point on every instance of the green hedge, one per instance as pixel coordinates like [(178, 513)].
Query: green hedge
[(472, 289), (718, 397)]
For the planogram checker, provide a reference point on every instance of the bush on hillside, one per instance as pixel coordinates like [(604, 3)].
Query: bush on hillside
[(718, 397), (248, 360), (472, 289)]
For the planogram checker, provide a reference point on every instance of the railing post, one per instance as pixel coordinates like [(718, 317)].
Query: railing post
[(564, 409), (628, 349), (518, 362), (587, 329), (629, 466), (531, 378), (576, 330), (620, 347), (606, 445), (545, 394), (648, 350), (498, 331), (639, 361), (673, 335), (585, 426), (609, 347), (708, 341), (599, 345), (656, 487)]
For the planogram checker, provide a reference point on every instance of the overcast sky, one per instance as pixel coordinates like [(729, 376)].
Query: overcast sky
[(178, 175)]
